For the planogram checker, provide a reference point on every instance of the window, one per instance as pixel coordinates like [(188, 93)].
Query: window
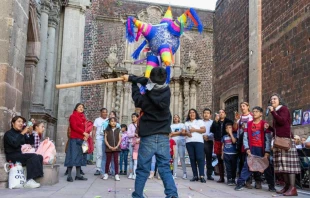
[(231, 105)]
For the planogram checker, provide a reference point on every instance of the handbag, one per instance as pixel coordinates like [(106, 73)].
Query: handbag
[(281, 143)]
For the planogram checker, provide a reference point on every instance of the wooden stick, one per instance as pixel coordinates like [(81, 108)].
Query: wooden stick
[(85, 83)]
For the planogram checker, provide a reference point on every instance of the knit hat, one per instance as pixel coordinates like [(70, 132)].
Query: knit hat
[(158, 75)]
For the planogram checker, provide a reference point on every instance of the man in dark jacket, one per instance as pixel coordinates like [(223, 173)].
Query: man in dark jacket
[(153, 128), (218, 128)]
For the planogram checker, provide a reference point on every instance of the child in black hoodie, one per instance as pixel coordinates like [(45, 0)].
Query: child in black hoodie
[(153, 128)]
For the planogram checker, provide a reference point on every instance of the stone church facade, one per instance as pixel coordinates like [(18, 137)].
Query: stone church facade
[(107, 54), (41, 44)]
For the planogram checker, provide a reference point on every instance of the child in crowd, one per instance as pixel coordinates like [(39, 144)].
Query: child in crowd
[(124, 150), (229, 154), (135, 144), (112, 141), (131, 133), (257, 141), (38, 129)]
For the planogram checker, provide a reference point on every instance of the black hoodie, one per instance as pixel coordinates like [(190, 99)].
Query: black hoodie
[(155, 105), (218, 128)]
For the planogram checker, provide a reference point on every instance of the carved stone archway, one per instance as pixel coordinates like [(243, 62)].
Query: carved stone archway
[(237, 90), (32, 58)]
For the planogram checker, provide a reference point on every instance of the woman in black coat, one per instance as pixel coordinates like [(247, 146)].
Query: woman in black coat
[(13, 141)]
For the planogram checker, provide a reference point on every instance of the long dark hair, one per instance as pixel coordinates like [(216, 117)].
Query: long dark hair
[(109, 128), (197, 115), (77, 105), (16, 118)]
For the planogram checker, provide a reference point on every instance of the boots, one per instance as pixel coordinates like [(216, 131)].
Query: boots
[(221, 170), (151, 175), (292, 191), (258, 185), (248, 184)]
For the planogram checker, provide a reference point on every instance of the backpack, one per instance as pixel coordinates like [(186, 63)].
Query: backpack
[(48, 151)]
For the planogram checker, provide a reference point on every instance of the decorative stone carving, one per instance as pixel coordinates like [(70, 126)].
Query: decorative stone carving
[(112, 59), (46, 6), (151, 14), (53, 18), (192, 67)]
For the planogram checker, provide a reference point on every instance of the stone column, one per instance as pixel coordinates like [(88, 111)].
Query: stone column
[(192, 94), (109, 95), (38, 98), (255, 53), (71, 68), (186, 96), (176, 96), (50, 66), (127, 99)]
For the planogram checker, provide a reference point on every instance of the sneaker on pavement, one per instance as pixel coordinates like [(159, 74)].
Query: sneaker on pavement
[(184, 176), (175, 176), (97, 172), (133, 177), (130, 176), (31, 184), (105, 176), (117, 177), (239, 187), (271, 188)]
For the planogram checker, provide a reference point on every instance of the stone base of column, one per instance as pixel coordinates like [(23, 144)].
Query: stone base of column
[(3, 175), (61, 158)]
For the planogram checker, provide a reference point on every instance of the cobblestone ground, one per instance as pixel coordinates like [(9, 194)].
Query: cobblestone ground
[(96, 187)]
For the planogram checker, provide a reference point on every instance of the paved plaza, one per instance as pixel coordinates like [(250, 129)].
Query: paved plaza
[(98, 188)]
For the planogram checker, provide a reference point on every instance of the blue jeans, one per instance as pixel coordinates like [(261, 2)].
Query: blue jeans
[(104, 160), (157, 145), (123, 158), (246, 173), (197, 157), (230, 161)]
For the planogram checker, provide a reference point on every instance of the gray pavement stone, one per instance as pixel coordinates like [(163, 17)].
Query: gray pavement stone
[(96, 187)]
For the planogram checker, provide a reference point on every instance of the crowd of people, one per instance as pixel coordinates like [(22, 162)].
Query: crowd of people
[(156, 141)]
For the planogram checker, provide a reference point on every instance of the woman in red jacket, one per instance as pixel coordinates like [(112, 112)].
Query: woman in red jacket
[(75, 156), (285, 162)]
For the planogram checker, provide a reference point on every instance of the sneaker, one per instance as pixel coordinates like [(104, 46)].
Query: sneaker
[(151, 175), (174, 176), (105, 176), (130, 176), (97, 172), (239, 187), (231, 182), (210, 178), (117, 177), (133, 177), (184, 176), (31, 184), (271, 188)]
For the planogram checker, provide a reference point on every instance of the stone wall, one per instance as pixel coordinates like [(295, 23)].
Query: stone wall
[(285, 54), (13, 37), (105, 30), (231, 46)]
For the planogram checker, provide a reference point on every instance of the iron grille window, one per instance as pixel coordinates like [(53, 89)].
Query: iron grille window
[(231, 105)]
